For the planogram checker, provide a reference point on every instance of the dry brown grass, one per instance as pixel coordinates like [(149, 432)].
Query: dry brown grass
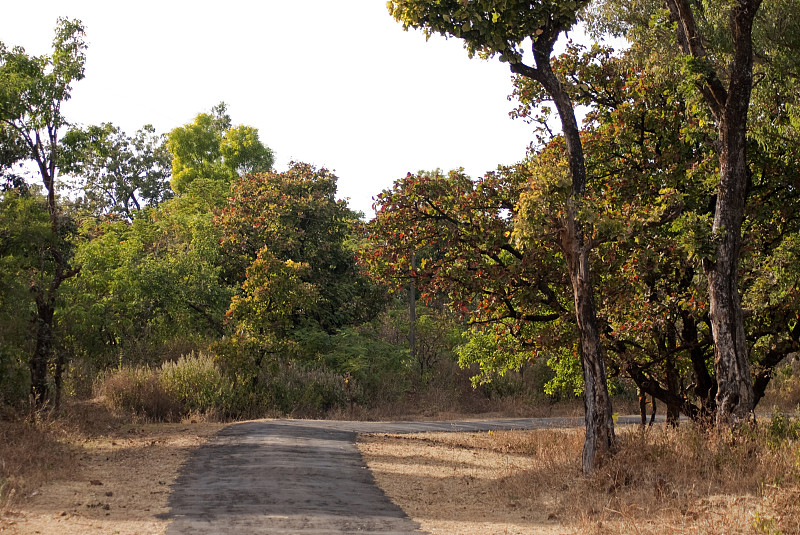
[(91, 472), (662, 481)]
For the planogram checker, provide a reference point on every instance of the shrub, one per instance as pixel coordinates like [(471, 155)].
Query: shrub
[(14, 377), (301, 392), (197, 384), (139, 391)]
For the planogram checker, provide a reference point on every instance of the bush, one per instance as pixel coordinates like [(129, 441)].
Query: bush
[(196, 383), (14, 377), (139, 391), (308, 393)]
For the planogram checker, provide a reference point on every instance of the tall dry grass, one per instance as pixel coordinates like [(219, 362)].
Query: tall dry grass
[(38, 446), (31, 452), (661, 480)]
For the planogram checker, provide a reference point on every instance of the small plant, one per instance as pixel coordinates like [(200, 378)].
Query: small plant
[(765, 525), (781, 428), (196, 383)]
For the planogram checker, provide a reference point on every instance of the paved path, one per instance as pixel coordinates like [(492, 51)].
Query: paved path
[(299, 476)]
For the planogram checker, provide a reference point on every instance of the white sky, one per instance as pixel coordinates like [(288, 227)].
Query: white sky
[(337, 83)]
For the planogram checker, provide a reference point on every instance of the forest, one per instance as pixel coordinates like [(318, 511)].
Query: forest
[(646, 245)]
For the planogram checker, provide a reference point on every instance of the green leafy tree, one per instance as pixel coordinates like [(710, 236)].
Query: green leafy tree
[(211, 147), (25, 261), (289, 244), (491, 28), (32, 90), (149, 285), (117, 173)]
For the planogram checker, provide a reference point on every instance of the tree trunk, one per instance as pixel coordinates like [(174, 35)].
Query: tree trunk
[(705, 388), (735, 398), (600, 440), (43, 350)]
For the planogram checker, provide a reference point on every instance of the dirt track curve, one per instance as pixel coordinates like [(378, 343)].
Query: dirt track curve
[(299, 476)]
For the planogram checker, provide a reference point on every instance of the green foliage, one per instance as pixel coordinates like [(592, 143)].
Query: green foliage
[(118, 174), (494, 353), (288, 238), (148, 283), (782, 428), (32, 91), (211, 148), (568, 374), (14, 375), (197, 384), (25, 265), (488, 27)]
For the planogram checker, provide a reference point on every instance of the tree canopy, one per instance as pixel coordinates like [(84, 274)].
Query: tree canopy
[(210, 147)]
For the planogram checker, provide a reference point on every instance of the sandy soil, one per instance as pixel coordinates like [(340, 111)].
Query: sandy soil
[(450, 483), (455, 490), (119, 484)]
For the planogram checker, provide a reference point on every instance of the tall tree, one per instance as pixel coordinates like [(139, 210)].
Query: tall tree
[(292, 222), (211, 147), (118, 174), (32, 90), (729, 104), (492, 28)]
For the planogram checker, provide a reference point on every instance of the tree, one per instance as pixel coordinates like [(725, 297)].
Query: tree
[(283, 227), (724, 48), (490, 29), (211, 147), (729, 107), (462, 233), (119, 174), (32, 90), (651, 153), (25, 240), (150, 284)]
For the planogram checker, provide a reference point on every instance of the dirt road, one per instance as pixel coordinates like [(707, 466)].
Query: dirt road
[(299, 476)]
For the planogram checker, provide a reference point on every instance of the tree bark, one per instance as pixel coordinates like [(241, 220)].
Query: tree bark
[(735, 398), (600, 440), (705, 386), (42, 351)]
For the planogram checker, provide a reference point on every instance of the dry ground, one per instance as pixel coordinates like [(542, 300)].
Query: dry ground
[(114, 478), (108, 481), (530, 482)]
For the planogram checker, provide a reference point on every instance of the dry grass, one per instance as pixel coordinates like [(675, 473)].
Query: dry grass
[(90, 472), (663, 481)]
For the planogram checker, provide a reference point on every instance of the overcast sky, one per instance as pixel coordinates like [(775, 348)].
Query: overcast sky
[(337, 84)]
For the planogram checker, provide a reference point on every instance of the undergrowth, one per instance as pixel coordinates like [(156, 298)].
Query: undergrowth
[(685, 480)]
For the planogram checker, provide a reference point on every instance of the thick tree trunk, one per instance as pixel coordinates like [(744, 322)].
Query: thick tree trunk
[(735, 398)]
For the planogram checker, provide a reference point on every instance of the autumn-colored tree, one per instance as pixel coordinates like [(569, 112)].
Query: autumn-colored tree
[(652, 159), (491, 28)]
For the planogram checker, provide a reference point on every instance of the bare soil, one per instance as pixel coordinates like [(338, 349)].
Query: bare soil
[(450, 488), (116, 479), (115, 483)]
